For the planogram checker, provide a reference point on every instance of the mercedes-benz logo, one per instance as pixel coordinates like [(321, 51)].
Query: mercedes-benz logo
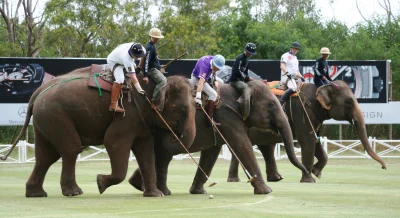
[(22, 111)]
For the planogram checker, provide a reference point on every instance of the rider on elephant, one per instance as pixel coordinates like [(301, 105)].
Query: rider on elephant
[(123, 57), (152, 66), (204, 74), (289, 71), (240, 73), (321, 68)]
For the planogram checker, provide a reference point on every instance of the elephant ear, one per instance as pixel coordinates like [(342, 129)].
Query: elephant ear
[(324, 96), (160, 99)]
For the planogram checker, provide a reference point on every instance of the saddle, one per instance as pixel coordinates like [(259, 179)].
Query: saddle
[(278, 89), (105, 78), (204, 97)]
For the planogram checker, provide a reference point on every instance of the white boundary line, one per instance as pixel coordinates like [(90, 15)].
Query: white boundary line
[(266, 199)]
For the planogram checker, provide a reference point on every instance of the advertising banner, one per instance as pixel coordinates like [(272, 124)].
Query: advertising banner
[(20, 77)]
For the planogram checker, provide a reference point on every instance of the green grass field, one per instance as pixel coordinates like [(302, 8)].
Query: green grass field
[(348, 188)]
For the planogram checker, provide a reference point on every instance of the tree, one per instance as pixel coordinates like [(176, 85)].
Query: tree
[(27, 34)]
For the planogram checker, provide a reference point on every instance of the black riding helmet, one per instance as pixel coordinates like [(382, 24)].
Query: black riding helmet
[(295, 45), (250, 48), (136, 50)]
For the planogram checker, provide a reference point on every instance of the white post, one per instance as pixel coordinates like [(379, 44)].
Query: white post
[(325, 143)]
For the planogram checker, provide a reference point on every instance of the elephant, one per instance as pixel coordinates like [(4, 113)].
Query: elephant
[(332, 101), (68, 116), (264, 113)]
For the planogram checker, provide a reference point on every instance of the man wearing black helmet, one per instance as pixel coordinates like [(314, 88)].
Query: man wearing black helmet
[(240, 74), (289, 71), (123, 58)]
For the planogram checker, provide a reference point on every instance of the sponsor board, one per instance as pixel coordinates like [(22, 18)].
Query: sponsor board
[(13, 114), (386, 113)]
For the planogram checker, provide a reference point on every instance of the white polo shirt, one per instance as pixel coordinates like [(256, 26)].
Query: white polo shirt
[(292, 64), (121, 56)]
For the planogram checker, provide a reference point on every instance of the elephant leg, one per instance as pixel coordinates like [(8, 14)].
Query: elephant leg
[(270, 162), (243, 148), (163, 158), (118, 150), (233, 175), (136, 180), (208, 158), (45, 155), (144, 153), (322, 158), (68, 181), (307, 142)]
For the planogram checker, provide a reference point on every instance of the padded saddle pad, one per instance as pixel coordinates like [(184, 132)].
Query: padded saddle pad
[(105, 79), (279, 92)]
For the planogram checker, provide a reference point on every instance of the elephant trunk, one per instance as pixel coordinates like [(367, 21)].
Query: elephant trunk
[(287, 138), (362, 133), (186, 136)]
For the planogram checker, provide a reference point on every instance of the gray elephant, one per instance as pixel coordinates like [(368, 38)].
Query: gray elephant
[(265, 114), (68, 116), (333, 101)]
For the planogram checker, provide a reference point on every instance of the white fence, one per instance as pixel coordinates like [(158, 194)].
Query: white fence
[(24, 153)]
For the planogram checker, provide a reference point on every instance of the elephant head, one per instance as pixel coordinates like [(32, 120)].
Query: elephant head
[(266, 114), (340, 103), (178, 109)]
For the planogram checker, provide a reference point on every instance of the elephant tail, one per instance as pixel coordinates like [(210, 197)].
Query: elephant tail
[(21, 133)]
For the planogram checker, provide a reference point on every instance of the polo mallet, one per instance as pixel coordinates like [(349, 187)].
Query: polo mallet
[(208, 178), (305, 111), (177, 58), (251, 178)]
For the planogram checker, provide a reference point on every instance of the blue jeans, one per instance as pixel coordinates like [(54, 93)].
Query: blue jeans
[(320, 82)]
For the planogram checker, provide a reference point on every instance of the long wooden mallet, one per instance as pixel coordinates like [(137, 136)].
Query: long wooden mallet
[(177, 58)]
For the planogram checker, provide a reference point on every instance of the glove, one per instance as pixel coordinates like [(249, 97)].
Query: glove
[(198, 99), (302, 79), (289, 75), (142, 92), (137, 70)]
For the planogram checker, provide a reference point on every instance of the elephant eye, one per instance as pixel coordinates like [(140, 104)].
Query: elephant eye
[(271, 105), (349, 102)]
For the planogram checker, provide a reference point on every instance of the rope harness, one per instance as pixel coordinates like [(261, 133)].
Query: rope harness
[(68, 80)]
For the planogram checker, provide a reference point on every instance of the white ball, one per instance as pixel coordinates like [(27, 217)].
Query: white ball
[(211, 197)]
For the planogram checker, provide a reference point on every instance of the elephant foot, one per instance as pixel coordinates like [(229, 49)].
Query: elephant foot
[(153, 193), (276, 177), (317, 172), (197, 190), (233, 179), (136, 181), (31, 191), (307, 179), (101, 183), (164, 190), (72, 191), (262, 190)]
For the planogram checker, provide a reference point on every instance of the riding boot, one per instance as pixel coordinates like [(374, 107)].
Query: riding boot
[(286, 95), (210, 112), (115, 91)]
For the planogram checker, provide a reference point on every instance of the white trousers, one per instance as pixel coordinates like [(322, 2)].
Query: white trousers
[(212, 94), (118, 72), (290, 83)]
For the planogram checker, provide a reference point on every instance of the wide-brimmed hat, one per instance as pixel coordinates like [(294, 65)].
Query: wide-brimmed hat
[(155, 33)]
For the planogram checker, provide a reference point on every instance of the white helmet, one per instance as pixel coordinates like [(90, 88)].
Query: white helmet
[(219, 61), (325, 50), (155, 33)]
